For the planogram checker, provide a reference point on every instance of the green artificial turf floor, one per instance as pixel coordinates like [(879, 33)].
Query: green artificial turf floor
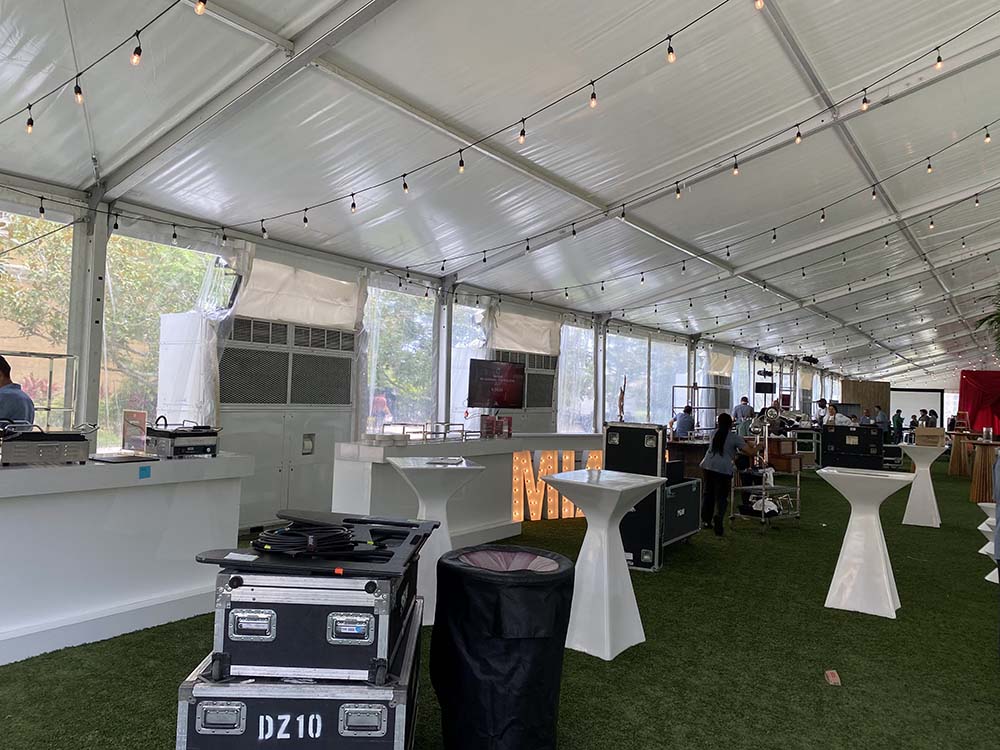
[(737, 644)]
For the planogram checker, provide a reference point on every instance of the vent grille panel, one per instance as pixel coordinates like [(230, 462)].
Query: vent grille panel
[(321, 380), (540, 389), (253, 376)]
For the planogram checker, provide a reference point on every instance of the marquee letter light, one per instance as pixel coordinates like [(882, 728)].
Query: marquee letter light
[(526, 484)]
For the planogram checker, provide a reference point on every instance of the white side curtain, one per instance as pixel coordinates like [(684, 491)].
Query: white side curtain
[(468, 342), (523, 333), (293, 295), (805, 379), (362, 396), (720, 363), (575, 408)]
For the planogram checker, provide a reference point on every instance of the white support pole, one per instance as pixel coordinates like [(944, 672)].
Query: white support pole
[(90, 255)]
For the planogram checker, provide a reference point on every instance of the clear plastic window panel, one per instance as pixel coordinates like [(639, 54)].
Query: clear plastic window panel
[(742, 382), (468, 342), (669, 362), (576, 380), (626, 362)]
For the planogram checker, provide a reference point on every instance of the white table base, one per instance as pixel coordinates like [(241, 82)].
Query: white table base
[(863, 580), (434, 486), (922, 507), (604, 620)]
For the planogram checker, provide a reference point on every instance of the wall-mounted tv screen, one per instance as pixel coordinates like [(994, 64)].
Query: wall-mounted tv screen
[(496, 385)]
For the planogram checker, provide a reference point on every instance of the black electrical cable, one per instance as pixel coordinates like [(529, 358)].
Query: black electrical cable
[(306, 539)]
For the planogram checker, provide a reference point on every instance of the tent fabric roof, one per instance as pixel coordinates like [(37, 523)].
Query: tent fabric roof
[(414, 80)]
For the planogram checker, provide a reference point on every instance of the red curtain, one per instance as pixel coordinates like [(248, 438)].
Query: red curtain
[(979, 394)]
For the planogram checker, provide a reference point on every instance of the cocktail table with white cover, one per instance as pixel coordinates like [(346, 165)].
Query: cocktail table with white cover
[(434, 484), (922, 507), (604, 620), (863, 580)]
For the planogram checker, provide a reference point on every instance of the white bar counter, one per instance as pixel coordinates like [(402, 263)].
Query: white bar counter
[(93, 551), (365, 483)]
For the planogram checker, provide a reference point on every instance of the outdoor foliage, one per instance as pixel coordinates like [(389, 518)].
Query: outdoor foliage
[(143, 281)]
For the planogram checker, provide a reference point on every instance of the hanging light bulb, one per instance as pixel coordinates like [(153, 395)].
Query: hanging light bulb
[(461, 162), (774, 235), (677, 190), (987, 138), (224, 237), (566, 292), (642, 277), (683, 267), (939, 63), (758, 4), (427, 290), (78, 92), (671, 55), (199, 7), (406, 188), (602, 286), (522, 135), (736, 165), (116, 222), (354, 205), (29, 126), (728, 254), (843, 259), (593, 95), (886, 245), (803, 272), (963, 243), (798, 134), (137, 52), (173, 236), (305, 217), (263, 229), (874, 193), (573, 229), (41, 208), (931, 224), (622, 215), (527, 246), (977, 200), (865, 104), (822, 216), (929, 167)]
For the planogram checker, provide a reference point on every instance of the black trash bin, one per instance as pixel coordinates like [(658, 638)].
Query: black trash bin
[(497, 646)]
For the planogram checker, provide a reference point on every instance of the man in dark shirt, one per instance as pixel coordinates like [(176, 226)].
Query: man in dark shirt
[(15, 404)]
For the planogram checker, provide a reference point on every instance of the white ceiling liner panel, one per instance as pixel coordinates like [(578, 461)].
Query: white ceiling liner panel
[(286, 18), (185, 60), (766, 193), (654, 120), (852, 44), (35, 57), (315, 139)]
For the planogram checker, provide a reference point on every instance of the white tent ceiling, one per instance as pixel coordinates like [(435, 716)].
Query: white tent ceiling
[(261, 108)]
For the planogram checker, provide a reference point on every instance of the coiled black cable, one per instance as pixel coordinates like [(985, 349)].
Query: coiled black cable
[(306, 539)]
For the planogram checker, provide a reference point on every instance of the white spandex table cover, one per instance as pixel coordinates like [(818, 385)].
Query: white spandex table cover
[(434, 485), (863, 580), (922, 507), (604, 620)]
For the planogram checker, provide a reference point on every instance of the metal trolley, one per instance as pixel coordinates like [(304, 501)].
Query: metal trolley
[(785, 496)]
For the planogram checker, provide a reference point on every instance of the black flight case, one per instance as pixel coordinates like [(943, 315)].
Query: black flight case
[(668, 514), (316, 618), (852, 446), (244, 713)]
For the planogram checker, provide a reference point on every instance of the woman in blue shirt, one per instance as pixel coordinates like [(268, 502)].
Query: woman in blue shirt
[(718, 468)]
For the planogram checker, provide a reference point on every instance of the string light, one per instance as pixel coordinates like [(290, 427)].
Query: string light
[(874, 193), (774, 235), (929, 167), (199, 7), (305, 218), (78, 92), (406, 188), (137, 52), (573, 229), (622, 215), (865, 104), (671, 55), (683, 267), (939, 63), (263, 229), (593, 95), (461, 162), (822, 216), (566, 292), (677, 190), (116, 222), (642, 277), (527, 246), (931, 224), (987, 138), (798, 134), (354, 205), (977, 200), (29, 126), (758, 4), (173, 236), (522, 135), (602, 286)]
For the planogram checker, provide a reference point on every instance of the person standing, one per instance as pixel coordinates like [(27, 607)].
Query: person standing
[(897, 426), (718, 468), (743, 411), (821, 415), (932, 418), (881, 419), (15, 404), (684, 423), (834, 417), (866, 418)]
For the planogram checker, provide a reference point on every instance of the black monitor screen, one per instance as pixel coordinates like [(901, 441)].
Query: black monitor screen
[(496, 385)]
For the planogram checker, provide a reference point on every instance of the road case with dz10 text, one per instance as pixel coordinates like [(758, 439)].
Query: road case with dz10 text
[(252, 713)]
